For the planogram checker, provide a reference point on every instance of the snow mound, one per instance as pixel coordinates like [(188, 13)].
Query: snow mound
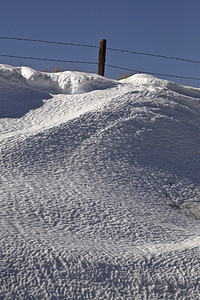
[(99, 187), (68, 82), (23, 88), (144, 80)]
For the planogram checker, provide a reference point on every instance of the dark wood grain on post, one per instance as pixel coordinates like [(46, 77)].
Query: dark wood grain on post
[(102, 57)]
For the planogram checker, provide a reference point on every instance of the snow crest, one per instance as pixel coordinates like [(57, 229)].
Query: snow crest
[(68, 82)]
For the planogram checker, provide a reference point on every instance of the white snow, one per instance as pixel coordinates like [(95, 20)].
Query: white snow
[(99, 187)]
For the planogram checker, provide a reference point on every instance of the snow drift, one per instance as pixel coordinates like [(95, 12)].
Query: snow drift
[(99, 187)]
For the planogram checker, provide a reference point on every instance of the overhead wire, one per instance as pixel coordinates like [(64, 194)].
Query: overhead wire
[(95, 63), (152, 73), (155, 55), (47, 42), (49, 59), (94, 46)]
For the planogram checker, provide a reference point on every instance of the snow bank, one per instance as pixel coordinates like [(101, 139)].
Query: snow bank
[(99, 186), (23, 88), (68, 82)]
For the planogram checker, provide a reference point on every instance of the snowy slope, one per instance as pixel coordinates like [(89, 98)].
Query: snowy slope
[(99, 187)]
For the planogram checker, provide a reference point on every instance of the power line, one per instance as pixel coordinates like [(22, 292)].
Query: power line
[(49, 59), (153, 73)]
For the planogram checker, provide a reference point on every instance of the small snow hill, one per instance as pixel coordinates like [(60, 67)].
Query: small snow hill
[(99, 187)]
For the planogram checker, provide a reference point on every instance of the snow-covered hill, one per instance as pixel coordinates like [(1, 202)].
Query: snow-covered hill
[(99, 187)]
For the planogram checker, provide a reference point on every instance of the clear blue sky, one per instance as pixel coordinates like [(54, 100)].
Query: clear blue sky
[(169, 28)]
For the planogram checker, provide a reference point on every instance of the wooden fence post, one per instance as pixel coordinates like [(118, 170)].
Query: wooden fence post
[(102, 57)]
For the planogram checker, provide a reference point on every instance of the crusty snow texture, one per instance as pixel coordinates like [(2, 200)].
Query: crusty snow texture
[(99, 187)]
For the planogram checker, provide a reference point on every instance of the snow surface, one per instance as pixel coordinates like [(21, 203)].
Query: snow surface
[(99, 187)]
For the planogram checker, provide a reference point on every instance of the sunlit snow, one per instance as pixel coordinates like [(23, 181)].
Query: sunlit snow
[(99, 187)]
